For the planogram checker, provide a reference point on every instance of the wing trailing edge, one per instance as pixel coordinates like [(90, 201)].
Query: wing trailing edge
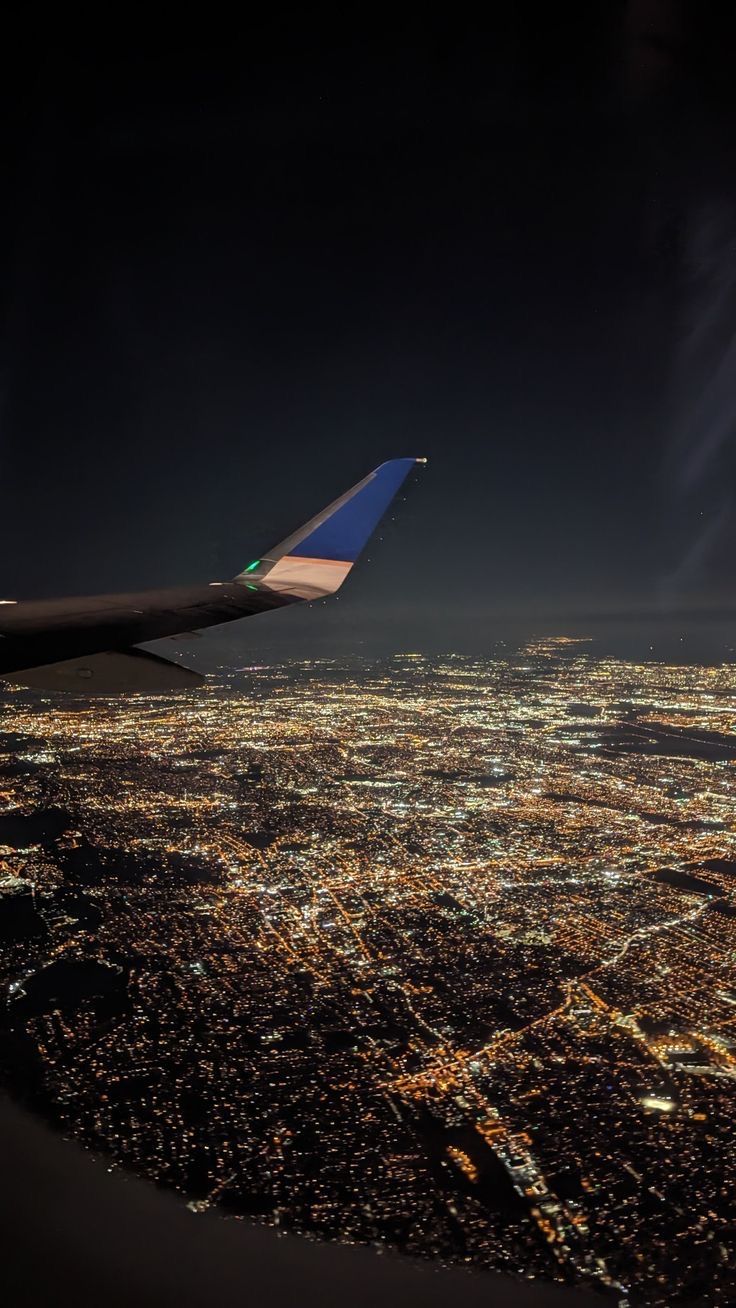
[(113, 672)]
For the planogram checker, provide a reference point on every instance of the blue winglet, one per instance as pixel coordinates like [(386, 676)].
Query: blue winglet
[(316, 559), (343, 534)]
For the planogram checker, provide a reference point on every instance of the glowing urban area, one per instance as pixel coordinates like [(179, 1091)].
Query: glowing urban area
[(436, 954)]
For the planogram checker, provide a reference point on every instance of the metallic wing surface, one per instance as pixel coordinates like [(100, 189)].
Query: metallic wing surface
[(91, 644)]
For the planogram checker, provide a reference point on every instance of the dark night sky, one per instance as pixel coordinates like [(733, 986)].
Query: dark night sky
[(238, 273)]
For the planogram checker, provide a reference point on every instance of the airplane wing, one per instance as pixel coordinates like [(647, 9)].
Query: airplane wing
[(91, 644)]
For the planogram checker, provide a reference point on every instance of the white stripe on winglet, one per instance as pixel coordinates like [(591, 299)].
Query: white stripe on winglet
[(306, 578)]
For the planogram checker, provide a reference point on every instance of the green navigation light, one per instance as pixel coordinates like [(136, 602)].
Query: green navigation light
[(252, 566)]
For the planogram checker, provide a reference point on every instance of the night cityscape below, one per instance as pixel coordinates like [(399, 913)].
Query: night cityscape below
[(433, 953)]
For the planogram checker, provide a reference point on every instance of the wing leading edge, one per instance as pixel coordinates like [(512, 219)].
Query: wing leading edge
[(70, 643)]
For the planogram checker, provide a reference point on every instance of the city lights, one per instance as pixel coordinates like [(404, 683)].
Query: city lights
[(435, 953)]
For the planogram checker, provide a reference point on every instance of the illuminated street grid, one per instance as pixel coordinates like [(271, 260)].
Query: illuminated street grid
[(434, 953)]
